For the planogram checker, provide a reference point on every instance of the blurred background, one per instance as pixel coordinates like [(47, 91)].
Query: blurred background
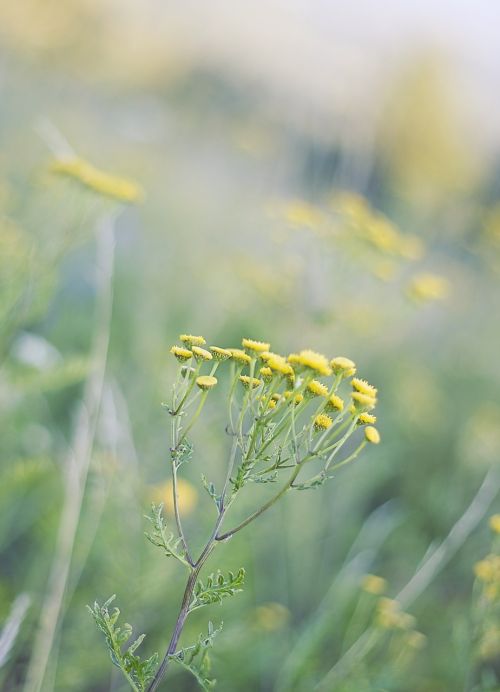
[(315, 174)]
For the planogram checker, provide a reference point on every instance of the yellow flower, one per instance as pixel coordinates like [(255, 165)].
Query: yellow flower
[(314, 361), (98, 181), (390, 615), (266, 374), (373, 584), (191, 340), (317, 388), (334, 403), (416, 640), (363, 401), (271, 616), (279, 364), (298, 398), (186, 493), (322, 422), (271, 404), (372, 435), (250, 382), (484, 570), (276, 396), (206, 382), (201, 353), (240, 356), (426, 287), (257, 346), (182, 354), (495, 523), (343, 366), (367, 419), (363, 387), (220, 353), (300, 214)]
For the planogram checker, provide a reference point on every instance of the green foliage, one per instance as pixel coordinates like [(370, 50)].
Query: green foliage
[(163, 539), (196, 660), (137, 672), (216, 588)]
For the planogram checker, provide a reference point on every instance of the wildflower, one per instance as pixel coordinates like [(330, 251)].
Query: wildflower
[(182, 354), (495, 523), (250, 382), (191, 340), (488, 569), (256, 346), (343, 366), (316, 388), (206, 382), (187, 496), (314, 361), (300, 214), (279, 364), (97, 180), (220, 354), (390, 615), (298, 398), (334, 403), (266, 373), (363, 401), (363, 387), (271, 404), (373, 584), (201, 353), (367, 419), (322, 422), (276, 396), (372, 435), (426, 287), (240, 356)]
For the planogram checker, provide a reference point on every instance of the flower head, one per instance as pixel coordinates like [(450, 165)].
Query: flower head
[(373, 584), (367, 419), (322, 422), (191, 340), (240, 356), (256, 346), (220, 354), (298, 398), (363, 387), (363, 401), (182, 354), (279, 364), (206, 382), (372, 435), (250, 382), (334, 403), (266, 373), (201, 353), (343, 366), (314, 361), (316, 388)]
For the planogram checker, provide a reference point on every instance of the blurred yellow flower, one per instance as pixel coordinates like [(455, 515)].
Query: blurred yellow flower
[(343, 366), (240, 356), (317, 388), (372, 435), (363, 401), (363, 387), (367, 419), (182, 354), (314, 361), (97, 180), (191, 340), (373, 584), (187, 496), (271, 616), (334, 403), (494, 523), (220, 353), (250, 382), (322, 422), (424, 288)]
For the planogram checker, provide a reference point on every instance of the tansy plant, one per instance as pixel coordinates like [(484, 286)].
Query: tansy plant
[(290, 424)]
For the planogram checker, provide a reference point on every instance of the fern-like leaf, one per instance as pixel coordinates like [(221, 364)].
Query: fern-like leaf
[(196, 659), (160, 537), (137, 672), (216, 588)]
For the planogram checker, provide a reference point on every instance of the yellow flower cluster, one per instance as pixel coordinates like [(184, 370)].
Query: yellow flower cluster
[(282, 380), (390, 615), (487, 571)]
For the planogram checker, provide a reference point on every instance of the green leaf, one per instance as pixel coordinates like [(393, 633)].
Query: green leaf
[(216, 588), (196, 660), (170, 544), (137, 672)]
